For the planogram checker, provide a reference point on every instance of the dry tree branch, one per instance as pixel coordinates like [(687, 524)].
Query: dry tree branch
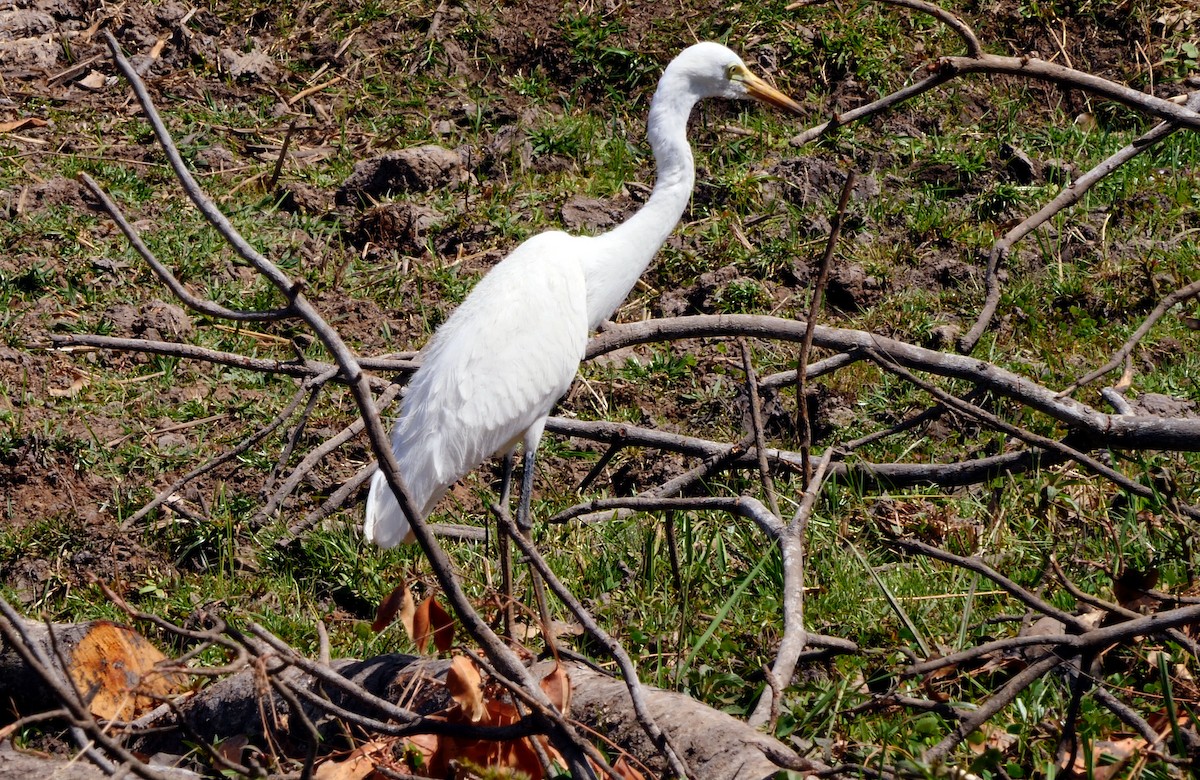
[(1125, 351), (509, 665), (1066, 450), (309, 461), (996, 702), (293, 368), (1107, 430), (230, 454), (756, 424), (637, 697)]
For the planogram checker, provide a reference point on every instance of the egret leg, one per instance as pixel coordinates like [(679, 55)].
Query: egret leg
[(504, 548), (525, 526)]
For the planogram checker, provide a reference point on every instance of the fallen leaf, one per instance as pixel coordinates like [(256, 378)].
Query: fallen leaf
[(466, 687), (94, 80), (231, 749), (359, 765), (119, 665), (557, 686), (397, 603), (431, 621), (21, 124), (79, 380)]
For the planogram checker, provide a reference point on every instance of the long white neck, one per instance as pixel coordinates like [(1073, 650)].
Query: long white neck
[(625, 252)]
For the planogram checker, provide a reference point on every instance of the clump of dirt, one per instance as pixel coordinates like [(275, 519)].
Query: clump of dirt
[(419, 169), (154, 320)]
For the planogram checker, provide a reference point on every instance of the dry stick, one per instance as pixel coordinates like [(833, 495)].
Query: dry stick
[(283, 150), (1088, 639), (871, 109), (1118, 431), (296, 711), (1177, 636), (227, 456), (302, 370), (1041, 70), (980, 567), (1127, 714), (201, 305), (1082, 458), (718, 456), (997, 702), (285, 454), (820, 368), (1068, 197), (566, 737), (795, 635), (756, 424), (814, 309)]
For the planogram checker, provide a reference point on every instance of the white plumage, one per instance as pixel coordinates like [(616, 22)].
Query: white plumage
[(492, 371)]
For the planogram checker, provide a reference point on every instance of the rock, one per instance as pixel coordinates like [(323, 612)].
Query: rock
[(215, 157), (41, 52), (852, 289), (24, 23), (419, 169), (156, 321), (944, 336), (306, 199)]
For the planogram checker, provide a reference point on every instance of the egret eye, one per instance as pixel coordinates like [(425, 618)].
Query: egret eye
[(735, 72)]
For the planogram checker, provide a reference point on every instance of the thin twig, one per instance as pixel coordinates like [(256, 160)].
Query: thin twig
[(803, 424)]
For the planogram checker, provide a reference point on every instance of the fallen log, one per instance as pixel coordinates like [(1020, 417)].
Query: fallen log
[(115, 670)]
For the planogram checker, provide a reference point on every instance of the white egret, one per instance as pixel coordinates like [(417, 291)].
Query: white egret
[(496, 366)]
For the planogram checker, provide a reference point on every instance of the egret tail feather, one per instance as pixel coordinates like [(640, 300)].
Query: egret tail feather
[(385, 523)]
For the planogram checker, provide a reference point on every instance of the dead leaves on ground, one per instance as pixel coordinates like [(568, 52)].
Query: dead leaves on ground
[(428, 621)]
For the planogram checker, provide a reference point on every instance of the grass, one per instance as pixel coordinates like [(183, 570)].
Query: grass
[(1073, 294)]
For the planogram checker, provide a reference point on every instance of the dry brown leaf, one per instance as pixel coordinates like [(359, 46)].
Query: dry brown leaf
[(466, 687), (421, 633), (118, 664), (94, 80), (231, 749), (14, 125), (359, 765), (557, 686), (397, 603), (443, 627)]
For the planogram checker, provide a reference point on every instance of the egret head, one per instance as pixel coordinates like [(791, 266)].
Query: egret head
[(712, 70)]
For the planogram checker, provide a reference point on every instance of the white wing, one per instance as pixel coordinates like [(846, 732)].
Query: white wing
[(492, 370)]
